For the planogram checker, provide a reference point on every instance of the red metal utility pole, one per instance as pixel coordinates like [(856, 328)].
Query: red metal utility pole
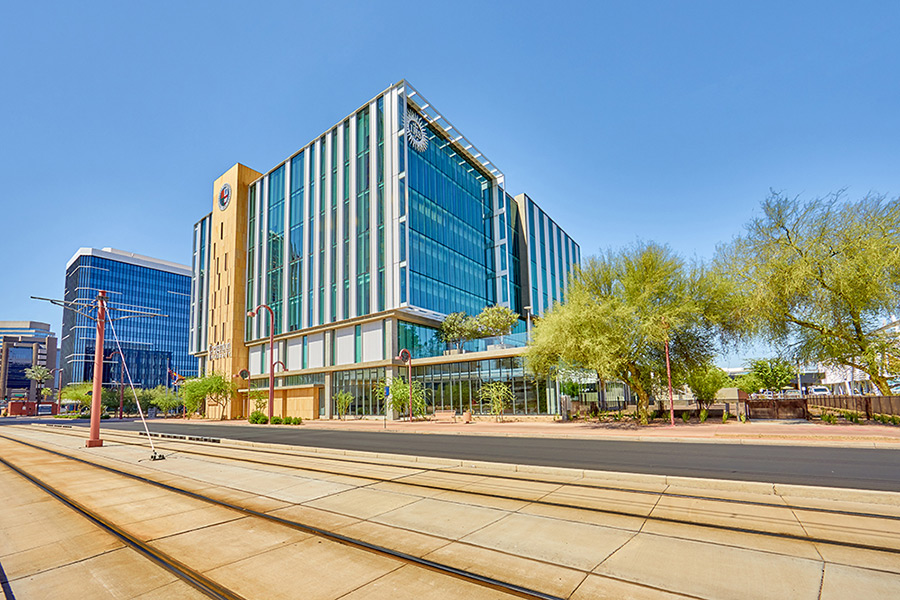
[(94, 439)]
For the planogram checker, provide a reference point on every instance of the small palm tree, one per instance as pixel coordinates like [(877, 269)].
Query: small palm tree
[(39, 374)]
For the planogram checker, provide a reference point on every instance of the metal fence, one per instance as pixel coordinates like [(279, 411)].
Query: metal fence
[(868, 405)]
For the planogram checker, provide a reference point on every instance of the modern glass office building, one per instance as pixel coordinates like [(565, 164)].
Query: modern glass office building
[(151, 346), (360, 243), (22, 345)]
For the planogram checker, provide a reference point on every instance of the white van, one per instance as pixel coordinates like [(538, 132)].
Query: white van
[(818, 390)]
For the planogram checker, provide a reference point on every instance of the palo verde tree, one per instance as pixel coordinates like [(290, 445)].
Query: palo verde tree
[(772, 373), (457, 328), (497, 395), (820, 277), (398, 400), (749, 383), (621, 308), (496, 320), (705, 382), (215, 389), (164, 399)]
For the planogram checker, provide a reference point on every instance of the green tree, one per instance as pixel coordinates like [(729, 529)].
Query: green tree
[(342, 401), (749, 383), (620, 309), (398, 400), (457, 328), (162, 398), (260, 399), (193, 393), (497, 395), (40, 375), (495, 320), (78, 392), (220, 389), (772, 373), (819, 277), (705, 383), (569, 388)]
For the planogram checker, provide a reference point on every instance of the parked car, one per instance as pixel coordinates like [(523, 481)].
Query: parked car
[(791, 393), (818, 390)]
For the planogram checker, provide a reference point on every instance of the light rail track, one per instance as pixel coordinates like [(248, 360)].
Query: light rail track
[(198, 450), (177, 568), (209, 587)]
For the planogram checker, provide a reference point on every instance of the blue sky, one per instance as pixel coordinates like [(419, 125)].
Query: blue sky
[(665, 121)]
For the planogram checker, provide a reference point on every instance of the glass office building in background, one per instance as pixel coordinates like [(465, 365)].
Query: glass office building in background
[(361, 243), (24, 344), (151, 346)]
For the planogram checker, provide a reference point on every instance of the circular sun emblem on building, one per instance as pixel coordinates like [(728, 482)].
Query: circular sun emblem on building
[(224, 196), (415, 131)]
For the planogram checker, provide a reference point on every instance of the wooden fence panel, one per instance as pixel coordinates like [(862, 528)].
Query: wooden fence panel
[(788, 408), (866, 405)]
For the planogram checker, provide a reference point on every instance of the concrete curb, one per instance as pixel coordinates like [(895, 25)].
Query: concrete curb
[(749, 438)]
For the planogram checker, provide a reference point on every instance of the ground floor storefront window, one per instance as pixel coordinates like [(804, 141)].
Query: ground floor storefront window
[(361, 385), (455, 386)]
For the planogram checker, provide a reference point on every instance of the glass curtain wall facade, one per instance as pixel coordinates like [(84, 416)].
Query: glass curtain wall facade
[(151, 345), (552, 255), (360, 221), (390, 214)]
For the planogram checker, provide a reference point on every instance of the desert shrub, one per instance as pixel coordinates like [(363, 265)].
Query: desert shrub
[(704, 414), (258, 417), (725, 416), (686, 416), (276, 420)]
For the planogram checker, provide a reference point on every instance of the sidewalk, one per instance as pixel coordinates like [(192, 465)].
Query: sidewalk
[(755, 432)]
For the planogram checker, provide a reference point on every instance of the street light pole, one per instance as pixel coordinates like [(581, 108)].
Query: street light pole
[(527, 310), (252, 313)]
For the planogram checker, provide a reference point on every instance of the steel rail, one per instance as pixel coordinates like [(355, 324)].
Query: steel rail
[(431, 565), (177, 568), (715, 526), (512, 477)]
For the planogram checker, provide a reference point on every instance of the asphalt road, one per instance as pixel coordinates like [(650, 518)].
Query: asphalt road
[(807, 465)]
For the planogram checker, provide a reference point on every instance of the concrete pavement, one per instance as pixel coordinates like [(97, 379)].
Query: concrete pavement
[(550, 539)]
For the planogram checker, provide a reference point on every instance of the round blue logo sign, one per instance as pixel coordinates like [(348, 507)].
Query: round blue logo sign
[(224, 196)]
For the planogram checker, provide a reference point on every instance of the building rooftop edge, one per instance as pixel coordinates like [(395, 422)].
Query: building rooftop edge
[(131, 258), (433, 117), (26, 325)]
